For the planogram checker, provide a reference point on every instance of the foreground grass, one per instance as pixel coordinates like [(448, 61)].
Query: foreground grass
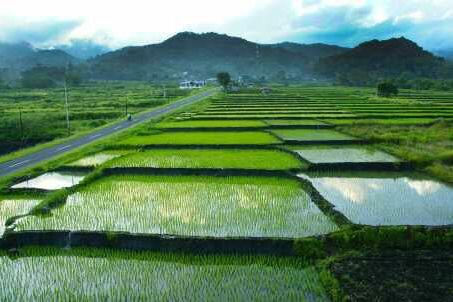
[(43, 274), (192, 206), (209, 159), (429, 147)]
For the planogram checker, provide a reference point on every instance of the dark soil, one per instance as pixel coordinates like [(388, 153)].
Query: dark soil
[(397, 276)]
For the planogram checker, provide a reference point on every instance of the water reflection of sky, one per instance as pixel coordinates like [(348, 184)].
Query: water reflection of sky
[(388, 201), (51, 181)]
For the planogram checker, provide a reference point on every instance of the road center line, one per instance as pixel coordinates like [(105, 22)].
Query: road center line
[(19, 163), (64, 147)]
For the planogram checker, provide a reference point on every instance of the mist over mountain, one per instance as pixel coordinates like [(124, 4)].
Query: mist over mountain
[(18, 57), (83, 49), (445, 53)]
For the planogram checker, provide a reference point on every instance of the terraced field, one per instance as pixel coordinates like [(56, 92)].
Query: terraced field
[(244, 173)]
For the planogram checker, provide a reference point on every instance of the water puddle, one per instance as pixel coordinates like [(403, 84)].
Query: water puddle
[(328, 154), (52, 181), (386, 198)]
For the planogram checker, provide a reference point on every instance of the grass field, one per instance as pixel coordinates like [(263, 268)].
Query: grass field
[(95, 104)]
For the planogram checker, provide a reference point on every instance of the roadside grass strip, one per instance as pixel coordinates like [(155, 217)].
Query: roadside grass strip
[(102, 275), (97, 159), (209, 159), (333, 154), (386, 199), (189, 206), (203, 138), (210, 124), (14, 207), (311, 135), (52, 181)]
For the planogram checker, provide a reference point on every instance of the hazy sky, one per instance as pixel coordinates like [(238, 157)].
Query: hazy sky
[(118, 23)]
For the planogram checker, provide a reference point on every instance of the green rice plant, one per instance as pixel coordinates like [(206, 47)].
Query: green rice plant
[(14, 207), (294, 122), (392, 199), (209, 159), (203, 138), (333, 154), (211, 124), (287, 115), (43, 274), (97, 159), (190, 206), (311, 135)]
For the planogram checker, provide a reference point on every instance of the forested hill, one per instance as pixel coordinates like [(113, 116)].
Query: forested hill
[(198, 56), (312, 51), (381, 59)]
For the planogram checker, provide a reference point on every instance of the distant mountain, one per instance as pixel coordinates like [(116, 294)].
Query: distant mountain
[(388, 58), (15, 58), (445, 53), (190, 55), (317, 50), (83, 49)]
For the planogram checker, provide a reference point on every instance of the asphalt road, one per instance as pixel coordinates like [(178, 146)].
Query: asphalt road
[(30, 160)]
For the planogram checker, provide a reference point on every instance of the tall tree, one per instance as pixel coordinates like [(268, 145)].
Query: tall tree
[(224, 79)]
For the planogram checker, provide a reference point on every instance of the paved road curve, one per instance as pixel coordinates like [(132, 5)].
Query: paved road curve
[(30, 160)]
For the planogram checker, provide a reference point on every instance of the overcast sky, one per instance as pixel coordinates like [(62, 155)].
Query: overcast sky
[(118, 23)]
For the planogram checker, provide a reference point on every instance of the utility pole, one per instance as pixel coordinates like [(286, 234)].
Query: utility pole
[(127, 98), (21, 125), (67, 107), (165, 91)]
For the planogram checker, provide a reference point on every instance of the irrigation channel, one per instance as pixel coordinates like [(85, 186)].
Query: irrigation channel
[(259, 183)]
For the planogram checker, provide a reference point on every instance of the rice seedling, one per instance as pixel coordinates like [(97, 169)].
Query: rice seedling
[(52, 181), (311, 135), (209, 159), (388, 199), (294, 122), (97, 159), (203, 138), (189, 205), (211, 124), (13, 207), (331, 154), (43, 274)]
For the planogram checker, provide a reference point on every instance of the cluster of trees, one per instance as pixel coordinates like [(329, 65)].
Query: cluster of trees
[(48, 77), (387, 89)]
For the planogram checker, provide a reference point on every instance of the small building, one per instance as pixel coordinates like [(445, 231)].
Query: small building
[(192, 84)]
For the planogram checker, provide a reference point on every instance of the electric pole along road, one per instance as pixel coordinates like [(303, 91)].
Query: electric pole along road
[(30, 160)]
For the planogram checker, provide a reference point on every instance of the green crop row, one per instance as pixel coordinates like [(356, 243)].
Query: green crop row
[(192, 206), (40, 274), (209, 159)]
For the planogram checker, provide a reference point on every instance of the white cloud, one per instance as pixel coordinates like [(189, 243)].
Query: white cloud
[(119, 23)]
